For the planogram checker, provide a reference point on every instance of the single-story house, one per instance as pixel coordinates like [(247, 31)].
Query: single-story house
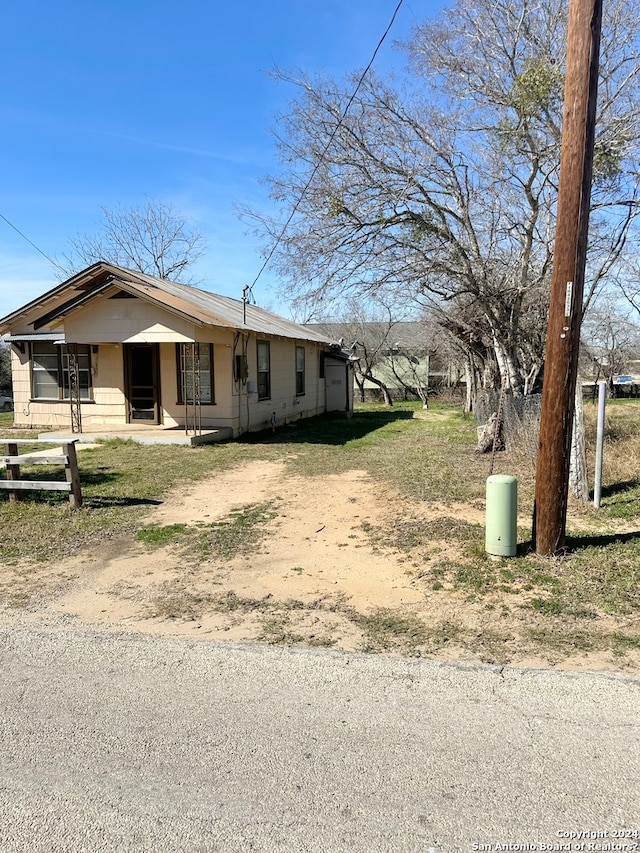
[(113, 349)]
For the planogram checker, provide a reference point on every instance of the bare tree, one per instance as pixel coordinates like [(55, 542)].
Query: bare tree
[(449, 188), (367, 330), (392, 350), (610, 339), (412, 356), (629, 283), (154, 239)]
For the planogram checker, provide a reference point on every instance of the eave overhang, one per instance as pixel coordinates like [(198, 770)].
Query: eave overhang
[(114, 283)]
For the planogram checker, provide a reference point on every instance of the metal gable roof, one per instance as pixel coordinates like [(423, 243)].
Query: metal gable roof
[(200, 305), (225, 311)]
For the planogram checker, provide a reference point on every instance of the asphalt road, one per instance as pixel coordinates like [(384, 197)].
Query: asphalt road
[(126, 743)]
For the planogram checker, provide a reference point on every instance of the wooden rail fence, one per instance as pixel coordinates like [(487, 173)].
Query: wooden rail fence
[(15, 486)]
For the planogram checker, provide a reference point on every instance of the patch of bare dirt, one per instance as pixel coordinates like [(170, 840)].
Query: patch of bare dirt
[(317, 576)]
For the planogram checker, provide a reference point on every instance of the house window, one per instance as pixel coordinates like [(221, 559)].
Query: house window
[(299, 370), (195, 371), (50, 371), (264, 371)]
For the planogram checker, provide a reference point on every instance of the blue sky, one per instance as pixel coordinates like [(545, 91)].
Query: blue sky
[(106, 102)]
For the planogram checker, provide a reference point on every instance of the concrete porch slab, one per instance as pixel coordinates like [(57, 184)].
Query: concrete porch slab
[(142, 435)]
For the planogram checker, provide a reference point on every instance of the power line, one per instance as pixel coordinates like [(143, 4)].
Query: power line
[(31, 243), (327, 146)]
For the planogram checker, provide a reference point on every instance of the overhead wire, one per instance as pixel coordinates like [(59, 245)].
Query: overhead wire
[(326, 147), (306, 186), (31, 243)]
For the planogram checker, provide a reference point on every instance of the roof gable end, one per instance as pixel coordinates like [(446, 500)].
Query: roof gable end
[(199, 306)]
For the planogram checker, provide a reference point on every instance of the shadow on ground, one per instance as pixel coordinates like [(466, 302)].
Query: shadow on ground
[(578, 543), (584, 541), (327, 429)]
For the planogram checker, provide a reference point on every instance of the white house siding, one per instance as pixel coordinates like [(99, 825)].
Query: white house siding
[(283, 401), (236, 403), (170, 409), (25, 412), (107, 377), (108, 402), (108, 406), (218, 414), (126, 321)]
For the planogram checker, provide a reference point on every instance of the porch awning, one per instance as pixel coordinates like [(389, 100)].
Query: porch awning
[(45, 336)]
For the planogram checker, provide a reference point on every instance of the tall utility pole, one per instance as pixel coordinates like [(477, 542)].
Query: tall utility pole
[(567, 281)]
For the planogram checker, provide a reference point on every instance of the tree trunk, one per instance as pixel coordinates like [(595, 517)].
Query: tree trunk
[(578, 479), (490, 436), (508, 368), (530, 379), (418, 389), (386, 396), (471, 382)]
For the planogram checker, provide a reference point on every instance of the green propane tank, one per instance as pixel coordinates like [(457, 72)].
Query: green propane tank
[(502, 515)]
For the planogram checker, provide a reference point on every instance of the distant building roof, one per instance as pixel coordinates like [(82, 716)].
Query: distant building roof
[(406, 334)]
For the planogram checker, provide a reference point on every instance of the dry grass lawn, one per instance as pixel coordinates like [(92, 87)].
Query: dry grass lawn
[(363, 535)]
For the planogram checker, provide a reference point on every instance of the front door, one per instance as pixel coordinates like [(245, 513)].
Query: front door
[(142, 383)]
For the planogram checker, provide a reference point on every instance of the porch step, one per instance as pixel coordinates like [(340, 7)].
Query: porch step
[(147, 436)]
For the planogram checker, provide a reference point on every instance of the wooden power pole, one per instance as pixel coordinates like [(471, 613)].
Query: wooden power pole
[(567, 281)]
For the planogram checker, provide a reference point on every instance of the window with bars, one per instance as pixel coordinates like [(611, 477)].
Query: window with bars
[(193, 372), (50, 371)]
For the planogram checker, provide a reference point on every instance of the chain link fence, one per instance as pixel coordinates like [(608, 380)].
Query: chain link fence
[(520, 419)]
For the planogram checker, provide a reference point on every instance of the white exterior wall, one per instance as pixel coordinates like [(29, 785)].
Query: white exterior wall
[(107, 407), (222, 413), (129, 321), (25, 412), (107, 324), (230, 407), (283, 401), (107, 378)]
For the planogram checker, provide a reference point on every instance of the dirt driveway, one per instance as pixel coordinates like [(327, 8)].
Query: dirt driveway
[(315, 575)]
